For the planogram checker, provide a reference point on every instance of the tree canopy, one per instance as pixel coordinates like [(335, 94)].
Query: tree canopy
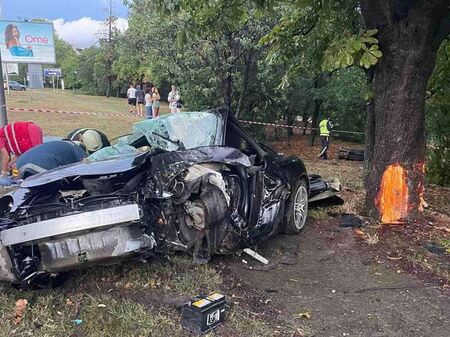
[(283, 61)]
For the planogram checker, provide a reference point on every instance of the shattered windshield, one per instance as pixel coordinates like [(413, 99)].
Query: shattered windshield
[(171, 132), (184, 130)]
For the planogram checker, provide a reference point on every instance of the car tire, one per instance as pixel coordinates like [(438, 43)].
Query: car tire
[(22, 89), (296, 208)]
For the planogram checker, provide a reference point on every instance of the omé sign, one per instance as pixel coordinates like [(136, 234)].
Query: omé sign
[(27, 42)]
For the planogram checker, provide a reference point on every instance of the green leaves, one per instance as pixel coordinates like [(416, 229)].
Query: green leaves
[(362, 50)]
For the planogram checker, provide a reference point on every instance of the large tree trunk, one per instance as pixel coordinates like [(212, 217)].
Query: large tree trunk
[(408, 38), (244, 92), (315, 121)]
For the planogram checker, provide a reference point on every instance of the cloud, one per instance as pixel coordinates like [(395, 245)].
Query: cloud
[(84, 32)]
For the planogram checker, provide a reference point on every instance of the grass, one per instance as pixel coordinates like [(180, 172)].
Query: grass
[(136, 299), (57, 124), (319, 213), (141, 299)]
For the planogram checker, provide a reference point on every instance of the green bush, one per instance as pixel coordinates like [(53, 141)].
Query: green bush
[(438, 156)]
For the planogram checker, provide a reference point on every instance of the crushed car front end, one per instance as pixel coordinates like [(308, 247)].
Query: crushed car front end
[(190, 190)]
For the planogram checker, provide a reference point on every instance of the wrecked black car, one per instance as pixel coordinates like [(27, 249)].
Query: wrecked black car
[(194, 182)]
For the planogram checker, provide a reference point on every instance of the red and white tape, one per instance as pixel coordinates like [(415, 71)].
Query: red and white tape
[(295, 127), (116, 114), (107, 114)]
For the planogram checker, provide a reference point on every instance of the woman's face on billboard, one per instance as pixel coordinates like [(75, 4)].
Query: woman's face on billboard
[(15, 32)]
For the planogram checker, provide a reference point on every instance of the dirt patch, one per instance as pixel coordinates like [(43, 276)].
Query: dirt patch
[(438, 198), (345, 288)]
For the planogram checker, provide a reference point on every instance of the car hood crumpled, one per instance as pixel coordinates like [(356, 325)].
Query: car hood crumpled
[(111, 166)]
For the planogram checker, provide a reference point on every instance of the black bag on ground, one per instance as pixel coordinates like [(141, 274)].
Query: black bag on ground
[(349, 154)]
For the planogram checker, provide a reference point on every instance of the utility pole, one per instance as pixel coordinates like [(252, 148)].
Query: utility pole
[(3, 115)]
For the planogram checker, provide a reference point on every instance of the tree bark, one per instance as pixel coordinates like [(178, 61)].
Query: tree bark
[(315, 121), (407, 34), (247, 69), (227, 79)]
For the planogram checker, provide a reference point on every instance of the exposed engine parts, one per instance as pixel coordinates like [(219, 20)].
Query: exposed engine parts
[(202, 194)]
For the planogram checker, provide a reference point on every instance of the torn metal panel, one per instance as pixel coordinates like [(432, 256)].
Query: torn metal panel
[(86, 249), (322, 190), (214, 177), (70, 224)]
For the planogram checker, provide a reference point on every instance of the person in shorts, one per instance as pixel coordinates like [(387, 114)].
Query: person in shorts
[(131, 95), (140, 97)]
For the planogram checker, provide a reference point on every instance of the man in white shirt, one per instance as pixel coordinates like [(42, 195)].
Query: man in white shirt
[(131, 95), (173, 98)]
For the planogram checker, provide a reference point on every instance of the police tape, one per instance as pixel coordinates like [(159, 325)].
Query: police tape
[(116, 114), (297, 127), (107, 114)]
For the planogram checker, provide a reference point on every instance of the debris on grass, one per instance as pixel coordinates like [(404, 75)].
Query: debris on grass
[(19, 311), (372, 239), (77, 321), (256, 256), (395, 257), (305, 314), (351, 221), (359, 232), (435, 248), (204, 313)]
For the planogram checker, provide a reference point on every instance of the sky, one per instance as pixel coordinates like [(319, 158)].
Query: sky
[(76, 21)]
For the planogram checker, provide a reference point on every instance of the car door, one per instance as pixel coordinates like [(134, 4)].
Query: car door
[(265, 191)]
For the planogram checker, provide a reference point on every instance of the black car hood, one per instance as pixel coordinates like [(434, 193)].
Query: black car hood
[(111, 166), (174, 162)]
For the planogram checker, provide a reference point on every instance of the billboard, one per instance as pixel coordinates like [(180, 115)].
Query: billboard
[(27, 42), (10, 68)]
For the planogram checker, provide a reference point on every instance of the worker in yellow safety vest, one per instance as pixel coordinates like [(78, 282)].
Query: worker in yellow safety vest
[(325, 127)]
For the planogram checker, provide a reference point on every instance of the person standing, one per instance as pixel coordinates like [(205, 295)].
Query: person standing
[(15, 139), (131, 95), (325, 127), (148, 103), (174, 100), (155, 101), (140, 101)]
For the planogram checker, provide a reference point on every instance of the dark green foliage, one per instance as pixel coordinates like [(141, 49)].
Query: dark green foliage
[(438, 154), (438, 119)]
